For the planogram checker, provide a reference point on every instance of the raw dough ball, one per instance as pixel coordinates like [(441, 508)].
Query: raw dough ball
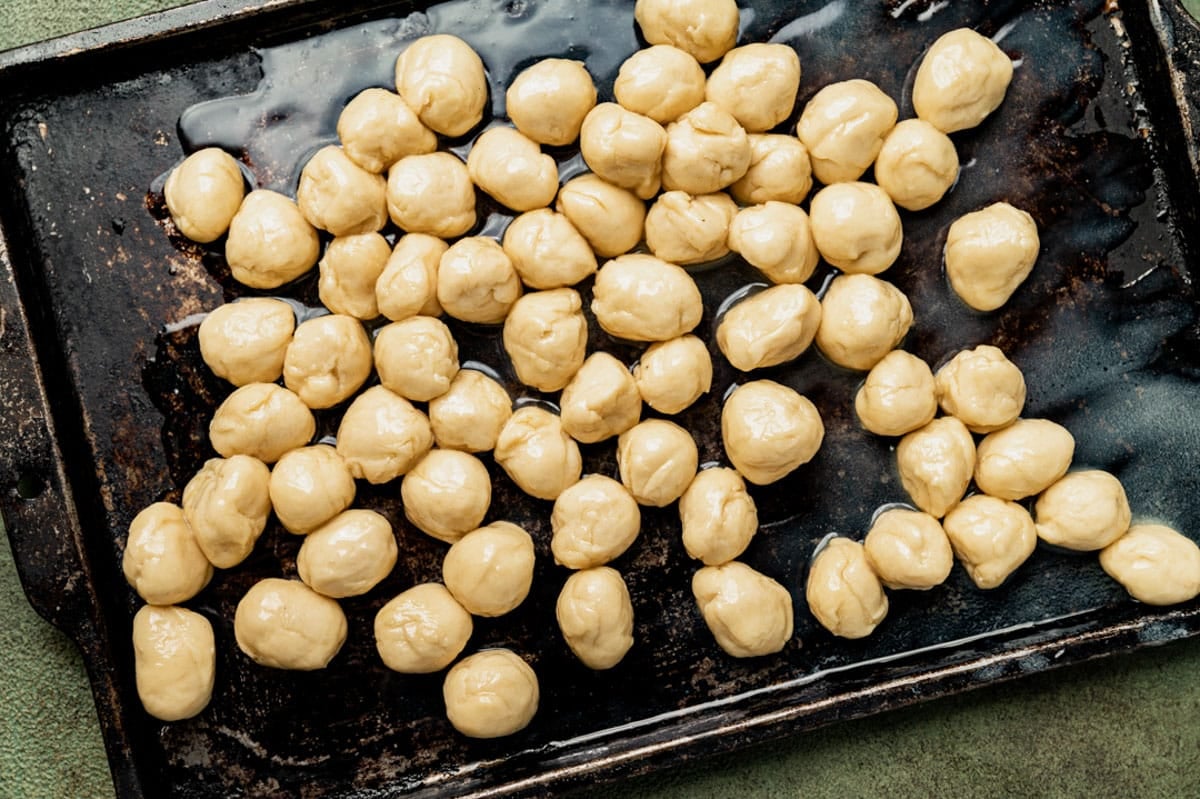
[(917, 164), (774, 326), (1023, 459), (843, 592), (935, 463), (537, 454), (348, 555), (601, 401), (339, 196), (204, 192), (162, 560), (545, 336), (863, 318), (643, 298), (470, 415), (683, 229), (983, 388), (416, 357), (757, 83), (421, 630), (609, 217), (961, 80), (768, 430), (776, 239), (490, 570), (1155, 564), (780, 169), (309, 486), (432, 194), (284, 624), (476, 281), (595, 616), (673, 374), (548, 100), (856, 227), (442, 79), (706, 151), (547, 251), (408, 284), (262, 420), (512, 168), (1085, 511), (377, 129), (989, 253), (991, 537), (747, 612), (245, 341), (624, 148), (382, 436), (594, 521), (226, 505), (843, 127), (349, 271), (447, 494), (898, 396), (328, 360), (657, 460), (270, 242), (706, 29), (718, 516), (490, 694), (175, 658), (909, 549), (661, 82)]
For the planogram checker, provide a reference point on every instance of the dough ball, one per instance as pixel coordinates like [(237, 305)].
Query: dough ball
[(476, 281), (706, 151), (175, 658), (204, 192), (657, 460), (989, 253), (162, 560), (863, 318), (776, 239), (537, 454), (705, 29), (595, 616), (774, 326), (490, 694), (349, 271), (856, 227), (624, 148), (490, 570), (547, 251), (643, 298), (512, 168), (768, 430), (601, 401), (661, 82), (983, 388), (683, 229), (1023, 459), (432, 194), (909, 549), (309, 486), (284, 624), (470, 415), (673, 374), (340, 196), (421, 630), (245, 341), (382, 436), (447, 494), (442, 79), (991, 537), (843, 592), (262, 420), (545, 336), (416, 357), (270, 242), (328, 360), (935, 464), (843, 127), (719, 518), (748, 613), (961, 80), (609, 217), (899, 395), (348, 555), (226, 505), (1155, 564), (377, 129), (780, 170), (757, 84), (408, 284), (917, 164), (548, 100), (594, 521), (1084, 511)]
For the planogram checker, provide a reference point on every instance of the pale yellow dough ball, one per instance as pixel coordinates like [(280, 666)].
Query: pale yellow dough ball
[(776, 239), (476, 281), (490, 570), (856, 227), (203, 194), (624, 148), (548, 100), (657, 460), (309, 486), (962, 78), (270, 242), (780, 169), (226, 505), (442, 79), (512, 168), (983, 388), (593, 521), (644, 298), (262, 420), (673, 374), (898, 396), (545, 336), (908, 549), (1085, 511), (1155, 564), (843, 591), (447, 494), (706, 151), (245, 341), (1023, 459), (661, 82), (377, 129), (917, 164), (609, 217), (349, 272), (989, 254), (748, 613), (768, 430), (935, 464), (490, 694), (718, 516), (774, 326), (328, 360), (756, 83), (339, 196), (595, 616), (284, 624), (601, 401), (416, 357), (471, 414), (548, 251), (162, 559), (174, 657), (706, 29), (537, 454), (431, 193), (407, 286), (843, 127), (422, 630), (991, 537), (683, 229), (348, 555), (863, 318), (382, 436)]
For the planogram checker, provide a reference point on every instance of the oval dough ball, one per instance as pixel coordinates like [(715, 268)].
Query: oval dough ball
[(961, 80), (442, 79), (595, 616), (748, 613), (339, 196), (1155, 564), (382, 436), (779, 169), (719, 518), (545, 336), (917, 164), (683, 229), (537, 454), (476, 281), (706, 151), (416, 357), (768, 430), (657, 460), (348, 555), (245, 341), (547, 251), (490, 570), (447, 494), (470, 415), (673, 374), (328, 360), (175, 658), (309, 486), (624, 148), (909, 549), (705, 29), (594, 521), (774, 326), (863, 318), (983, 388), (1084, 511), (549, 99), (601, 401), (1023, 459), (431, 194), (935, 464), (226, 505), (512, 168), (661, 82), (349, 271), (284, 624), (991, 537), (270, 242), (756, 83), (422, 630), (262, 420), (776, 239), (843, 592), (989, 253), (643, 298), (408, 284), (377, 129), (609, 217), (162, 560), (856, 227), (843, 127), (204, 192), (490, 694), (899, 395)]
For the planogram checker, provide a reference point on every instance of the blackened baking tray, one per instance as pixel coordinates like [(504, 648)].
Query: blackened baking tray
[(105, 402)]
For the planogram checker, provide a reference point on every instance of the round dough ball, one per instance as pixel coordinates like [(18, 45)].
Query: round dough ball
[(175, 659), (991, 537), (348, 555), (601, 401), (989, 253), (917, 164), (490, 570), (909, 549), (284, 624), (623, 148), (757, 84), (422, 630), (774, 326), (594, 521), (856, 227), (407, 286), (843, 127), (548, 100), (776, 239), (245, 341), (706, 151), (416, 357), (377, 129), (898, 396), (673, 374), (609, 217), (719, 518), (339, 196), (1023, 459), (683, 229), (309, 486), (661, 82), (442, 79), (490, 694), (545, 336), (470, 415), (349, 271), (203, 194), (768, 430), (447, 494), (328, 360), (961, 80), (262, 420), (643, 298), (657, 460), (981, 387), (863, 318), (382, 436), (512, 168), (270, 242), (843, 592), (748, 613), (1155, 564), (431, 193), (476, 281), (935, 464), (779, 169), (537, 454), (547, 251), (226, 505), (1084, 511), (595, 616), (705, 29), (162, 560)]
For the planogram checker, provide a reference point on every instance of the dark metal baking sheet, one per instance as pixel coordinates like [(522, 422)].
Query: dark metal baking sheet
[(105, 402)]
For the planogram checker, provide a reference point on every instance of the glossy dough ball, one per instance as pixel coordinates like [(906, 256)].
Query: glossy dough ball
[(657, 460), (422, 630), (162, 560), (609, 217), (898, 396), (226, 505), (991, 537), (245, 341), (377, 129), (545, 336), (843, 128), (442, 79), (774, 326), (309, 486), (748, 613), (175, 658), (339, 196), (431, 194), (908, 549), (284, 624), (661, 82), (856, 227), (262, 420), (983, 388), (843, 592), (863, 318), (594, 521), (471, 414), (382, 436), (673, 374), (490, 570), (511, 167), (203, 194), (548, 100), (779, 169), (718, 517), (490, 694), (961, 80), (683, 229), (1023, 459), (408, 284), (601, 401), (595, 616), (643, 298), (328, 360), (935, 463), (349, 271), (706, 151), (989, 253), (1084, 511), (776, 239), (447, 494), (270, 242), (768, 430), (537, 454), (477, 282), (348, 555), (624, 148), (706, 29), (547, 251), (917, 164), (416, 358), (1155, 564), (757, 84)]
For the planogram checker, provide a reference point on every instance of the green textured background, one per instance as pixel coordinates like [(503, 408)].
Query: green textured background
[(1122, 727)]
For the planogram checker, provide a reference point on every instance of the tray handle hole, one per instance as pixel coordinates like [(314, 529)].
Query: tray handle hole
[(30, 486)]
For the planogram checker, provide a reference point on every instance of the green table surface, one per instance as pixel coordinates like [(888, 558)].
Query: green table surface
[(1126, 726)]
